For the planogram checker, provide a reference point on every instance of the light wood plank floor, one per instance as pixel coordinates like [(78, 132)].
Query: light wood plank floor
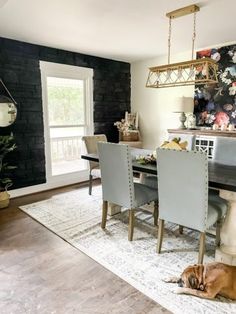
[(41, 273)]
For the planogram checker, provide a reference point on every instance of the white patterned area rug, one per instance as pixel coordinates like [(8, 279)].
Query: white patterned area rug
[(75, 216)]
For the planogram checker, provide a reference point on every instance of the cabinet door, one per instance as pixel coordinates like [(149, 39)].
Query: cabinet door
[(205, 144)]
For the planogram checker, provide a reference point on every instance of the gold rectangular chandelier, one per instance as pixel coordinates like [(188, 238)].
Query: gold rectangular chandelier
[(192, 72)]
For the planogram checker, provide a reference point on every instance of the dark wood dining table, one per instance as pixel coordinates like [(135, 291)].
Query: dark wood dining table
[(221, 177)]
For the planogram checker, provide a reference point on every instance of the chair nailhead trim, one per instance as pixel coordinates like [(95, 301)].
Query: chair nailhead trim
[(130, 177)]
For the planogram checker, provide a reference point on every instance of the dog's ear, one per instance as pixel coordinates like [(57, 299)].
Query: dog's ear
[(193, 281)]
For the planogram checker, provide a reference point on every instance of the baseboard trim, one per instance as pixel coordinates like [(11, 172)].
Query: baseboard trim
[(44, 187)]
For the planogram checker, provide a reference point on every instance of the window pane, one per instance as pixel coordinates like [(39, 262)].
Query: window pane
[(65, 101), (66, 149), (66, 132)]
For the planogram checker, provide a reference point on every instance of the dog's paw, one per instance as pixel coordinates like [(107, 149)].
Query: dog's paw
[(171, 280), (178, 291)]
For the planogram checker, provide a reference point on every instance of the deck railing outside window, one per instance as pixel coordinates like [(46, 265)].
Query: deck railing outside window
[(66, 148)]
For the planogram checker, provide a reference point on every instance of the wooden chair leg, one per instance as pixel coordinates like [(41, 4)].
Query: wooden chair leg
[(181, 229), (131, 224), (160, 235), (218, 227), (104, 214), (155, 213), (201, 247), (90, 184)]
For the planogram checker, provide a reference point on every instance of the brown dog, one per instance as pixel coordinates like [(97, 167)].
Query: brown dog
[(206, 281)]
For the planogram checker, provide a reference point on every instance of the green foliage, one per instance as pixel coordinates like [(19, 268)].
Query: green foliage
[(66, 103), (7, 145)]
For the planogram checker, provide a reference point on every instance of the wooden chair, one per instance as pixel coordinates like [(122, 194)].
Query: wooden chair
[(91, 146)]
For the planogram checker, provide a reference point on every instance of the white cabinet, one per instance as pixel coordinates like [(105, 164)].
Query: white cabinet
[(207, 140), (205, 144)]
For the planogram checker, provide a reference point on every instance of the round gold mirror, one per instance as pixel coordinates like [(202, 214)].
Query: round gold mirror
[(8, 111)]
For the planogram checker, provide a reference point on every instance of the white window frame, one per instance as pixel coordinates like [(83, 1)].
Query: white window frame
[(50, 69)]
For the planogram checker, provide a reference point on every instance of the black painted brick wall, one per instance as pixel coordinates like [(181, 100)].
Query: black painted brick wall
[(19, 69)]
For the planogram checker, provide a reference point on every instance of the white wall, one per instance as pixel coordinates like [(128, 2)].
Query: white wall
[(155, 106)]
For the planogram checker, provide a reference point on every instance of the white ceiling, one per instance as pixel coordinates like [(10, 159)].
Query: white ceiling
[(127, 30)]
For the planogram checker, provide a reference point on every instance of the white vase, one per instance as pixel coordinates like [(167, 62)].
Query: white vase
[(223, 127), (231, 127)]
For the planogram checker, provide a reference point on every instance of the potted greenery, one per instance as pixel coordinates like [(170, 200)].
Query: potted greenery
[(7, 145)]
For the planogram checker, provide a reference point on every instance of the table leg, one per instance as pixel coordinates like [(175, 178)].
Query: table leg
[(226, 253), (142, 177)]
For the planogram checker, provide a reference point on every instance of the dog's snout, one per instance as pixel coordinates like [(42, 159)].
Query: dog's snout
[(180, 283)]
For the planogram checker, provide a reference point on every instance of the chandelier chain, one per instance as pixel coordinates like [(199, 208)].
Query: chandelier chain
[(194, 33), (169, 40)]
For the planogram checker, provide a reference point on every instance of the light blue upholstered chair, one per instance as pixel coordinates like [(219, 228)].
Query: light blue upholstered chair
[(117, 183), (225, 151), (183, 194), (90, 142), (151, 180)]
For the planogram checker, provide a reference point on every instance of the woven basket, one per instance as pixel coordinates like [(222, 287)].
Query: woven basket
[(130, 136), (4, 199)]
